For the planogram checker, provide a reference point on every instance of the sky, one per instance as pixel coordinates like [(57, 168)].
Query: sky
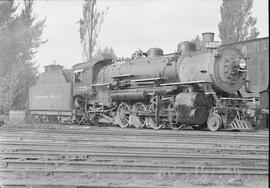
[(131, 25)]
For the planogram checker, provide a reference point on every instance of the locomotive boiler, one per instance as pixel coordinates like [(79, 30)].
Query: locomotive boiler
[(196, 88)]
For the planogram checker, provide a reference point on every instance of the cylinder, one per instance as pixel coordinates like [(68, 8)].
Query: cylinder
[(208, 37), (191, 108)]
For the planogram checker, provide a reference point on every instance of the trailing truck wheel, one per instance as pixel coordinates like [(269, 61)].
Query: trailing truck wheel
[(214, 122), (123, 115)]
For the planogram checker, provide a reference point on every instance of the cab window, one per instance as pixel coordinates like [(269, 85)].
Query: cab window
[(78, 75)]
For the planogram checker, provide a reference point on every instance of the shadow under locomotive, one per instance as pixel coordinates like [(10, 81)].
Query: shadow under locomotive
[(189, 88)]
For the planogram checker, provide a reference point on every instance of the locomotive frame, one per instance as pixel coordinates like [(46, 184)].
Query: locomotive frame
[(196, 88)]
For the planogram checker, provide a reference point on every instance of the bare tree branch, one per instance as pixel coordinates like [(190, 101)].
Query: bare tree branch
[(90, 26)]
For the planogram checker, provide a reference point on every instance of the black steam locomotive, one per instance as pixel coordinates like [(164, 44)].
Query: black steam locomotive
[(195, 88)]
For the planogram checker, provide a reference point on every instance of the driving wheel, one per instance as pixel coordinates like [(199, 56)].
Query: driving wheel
[(123, 114), (136, 120)]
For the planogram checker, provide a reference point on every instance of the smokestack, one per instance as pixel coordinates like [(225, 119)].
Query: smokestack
[(208, 41), (208, 37)]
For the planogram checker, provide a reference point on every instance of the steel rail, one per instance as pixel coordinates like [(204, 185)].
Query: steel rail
[(176, 172), (143, 132), (58, 136), (145, 150), (66, 155), (163, 142), (23, 184), (134, 139), (112, 144), (119, 135), (66, 128), (115, 143), (131, 132), (10, 164), (220, 147)]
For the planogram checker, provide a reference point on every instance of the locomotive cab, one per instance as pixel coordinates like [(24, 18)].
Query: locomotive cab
[(86, 93), (85, 75)]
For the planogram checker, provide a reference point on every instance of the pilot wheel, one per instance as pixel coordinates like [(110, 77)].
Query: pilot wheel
[(214, 122)]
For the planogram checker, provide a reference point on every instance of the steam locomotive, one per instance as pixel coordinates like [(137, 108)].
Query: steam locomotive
[(189, 88)]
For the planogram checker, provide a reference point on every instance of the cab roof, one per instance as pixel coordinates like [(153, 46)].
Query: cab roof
[(93, 61)]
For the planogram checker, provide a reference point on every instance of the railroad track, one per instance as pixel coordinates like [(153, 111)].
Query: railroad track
[(115, 130), (199, 134), (97, 136), (28, 154)]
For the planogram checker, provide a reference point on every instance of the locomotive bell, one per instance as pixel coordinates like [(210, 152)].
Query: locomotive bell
[(185, 46)]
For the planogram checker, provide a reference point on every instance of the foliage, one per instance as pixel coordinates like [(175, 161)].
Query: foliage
[(237, 23), (20, 37), (197, 41), (90, 26), (107, 50)]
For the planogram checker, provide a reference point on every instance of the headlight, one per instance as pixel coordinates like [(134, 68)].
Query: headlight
[(250, 113), (242, 64)]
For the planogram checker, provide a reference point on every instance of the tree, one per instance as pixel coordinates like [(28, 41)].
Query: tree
[(197, 41), (107, 50), (20, 37), (90, 26), (237, 23), (7, 17)]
